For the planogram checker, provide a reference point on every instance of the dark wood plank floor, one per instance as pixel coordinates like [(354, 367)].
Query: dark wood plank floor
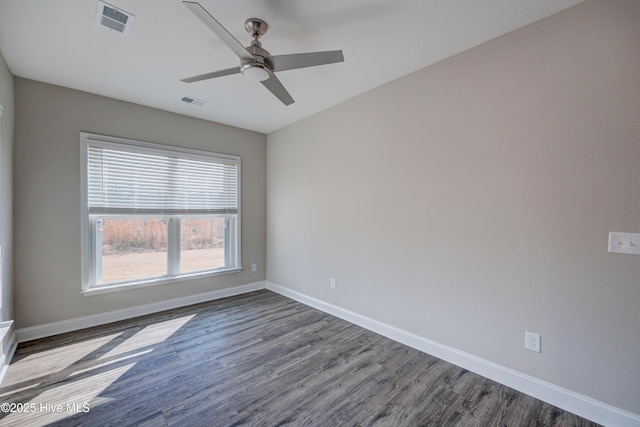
[(257, 359)]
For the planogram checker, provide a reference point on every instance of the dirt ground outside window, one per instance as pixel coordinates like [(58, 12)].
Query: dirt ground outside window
[(139, 265)]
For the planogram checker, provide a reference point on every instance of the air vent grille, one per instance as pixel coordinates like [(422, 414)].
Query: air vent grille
[(194, 101), (113, 18)]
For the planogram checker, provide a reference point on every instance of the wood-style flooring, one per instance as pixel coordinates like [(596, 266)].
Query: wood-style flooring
[(257, 359)]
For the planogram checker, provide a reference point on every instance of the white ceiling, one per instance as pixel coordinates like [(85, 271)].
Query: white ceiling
[(58, 42)]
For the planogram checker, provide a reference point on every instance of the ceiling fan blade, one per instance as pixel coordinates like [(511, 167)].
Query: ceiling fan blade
[(220, 31), (303, 60), (276, 88), (212, 75)]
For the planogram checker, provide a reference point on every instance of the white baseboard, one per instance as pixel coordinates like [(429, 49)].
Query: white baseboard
[(568, 400), (9, 344), (54, 328)]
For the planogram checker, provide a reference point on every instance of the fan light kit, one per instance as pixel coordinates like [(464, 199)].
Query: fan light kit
[(257, 63), (255, 72)]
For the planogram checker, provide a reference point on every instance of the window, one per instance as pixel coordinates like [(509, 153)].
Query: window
[(153, 213)]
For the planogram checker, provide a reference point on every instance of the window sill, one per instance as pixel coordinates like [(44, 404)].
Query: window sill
[(154, 282)]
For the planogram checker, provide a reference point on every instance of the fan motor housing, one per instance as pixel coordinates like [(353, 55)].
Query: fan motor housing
[(257, 68)]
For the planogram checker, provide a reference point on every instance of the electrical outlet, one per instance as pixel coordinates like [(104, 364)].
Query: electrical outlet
[(532, 341), (254, 267), (333, 284)]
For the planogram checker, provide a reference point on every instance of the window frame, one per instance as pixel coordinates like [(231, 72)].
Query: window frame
[(89, 249)]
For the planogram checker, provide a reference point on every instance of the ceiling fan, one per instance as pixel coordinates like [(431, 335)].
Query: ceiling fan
[(255, 62)]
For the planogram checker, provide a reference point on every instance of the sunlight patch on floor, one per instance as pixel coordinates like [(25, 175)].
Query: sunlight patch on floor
[(29, 369), (146, 338), (66, 399)]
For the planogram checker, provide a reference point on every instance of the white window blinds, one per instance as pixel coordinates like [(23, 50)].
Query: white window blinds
[(133, 179)]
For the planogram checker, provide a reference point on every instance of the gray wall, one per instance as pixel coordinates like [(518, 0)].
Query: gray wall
[(47, 197), (6, 188), (472, 200)]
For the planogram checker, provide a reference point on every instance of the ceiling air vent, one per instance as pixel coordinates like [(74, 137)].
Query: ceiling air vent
[(113, 18), (194, 101)]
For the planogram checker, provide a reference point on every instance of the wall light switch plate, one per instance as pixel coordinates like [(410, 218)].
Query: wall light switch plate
[(624, 243)]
